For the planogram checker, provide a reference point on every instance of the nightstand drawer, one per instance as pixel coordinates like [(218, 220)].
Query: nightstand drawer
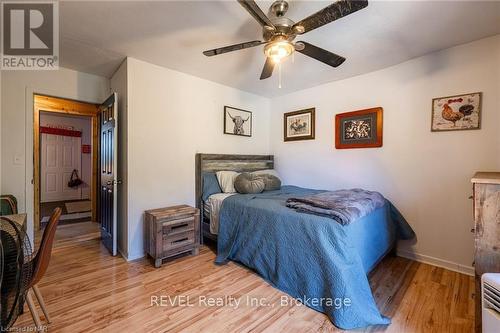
[(176, 240), (178, 226)]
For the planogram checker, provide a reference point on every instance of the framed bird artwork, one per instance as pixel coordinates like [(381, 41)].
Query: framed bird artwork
[(299, 125), (459, 112)]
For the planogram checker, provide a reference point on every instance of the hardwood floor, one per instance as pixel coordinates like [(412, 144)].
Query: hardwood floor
[(69, 234), (86, 290)]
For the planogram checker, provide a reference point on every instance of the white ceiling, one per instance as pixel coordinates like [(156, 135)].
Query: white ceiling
[(96, 36)]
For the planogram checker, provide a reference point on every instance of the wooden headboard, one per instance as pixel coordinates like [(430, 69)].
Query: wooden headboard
[(219, 162)]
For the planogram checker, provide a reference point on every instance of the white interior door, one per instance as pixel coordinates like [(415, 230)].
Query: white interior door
[(60, 155)]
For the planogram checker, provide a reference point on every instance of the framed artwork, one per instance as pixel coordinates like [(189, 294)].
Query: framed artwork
[(359, 129), (299, 125), (237, 121), (454, 113)]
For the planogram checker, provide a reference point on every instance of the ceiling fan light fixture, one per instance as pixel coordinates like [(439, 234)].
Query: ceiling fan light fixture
[(279, 31), (277, 51)]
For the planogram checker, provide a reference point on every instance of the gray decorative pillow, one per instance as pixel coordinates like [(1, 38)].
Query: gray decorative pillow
[(271, 182), (247, 183)]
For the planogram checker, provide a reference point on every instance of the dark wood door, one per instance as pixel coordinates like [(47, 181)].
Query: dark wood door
[(108, 170)]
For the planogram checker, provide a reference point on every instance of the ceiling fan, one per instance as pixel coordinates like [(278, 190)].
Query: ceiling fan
[(279, 32)]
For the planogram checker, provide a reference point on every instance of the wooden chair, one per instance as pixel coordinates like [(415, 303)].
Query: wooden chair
[(40, 263)]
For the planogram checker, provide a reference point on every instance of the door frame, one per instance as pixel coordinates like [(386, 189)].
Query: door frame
[(44, 103)]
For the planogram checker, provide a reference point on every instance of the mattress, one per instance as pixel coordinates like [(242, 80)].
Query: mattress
[(212, 208), (310, 256)]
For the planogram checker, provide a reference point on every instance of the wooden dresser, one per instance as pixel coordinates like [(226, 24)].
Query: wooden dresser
[(171, 231), (486, 196)]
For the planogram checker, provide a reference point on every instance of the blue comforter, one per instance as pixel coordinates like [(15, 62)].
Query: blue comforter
[(312, 258)]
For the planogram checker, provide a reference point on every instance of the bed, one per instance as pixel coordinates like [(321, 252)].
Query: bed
[(209, 163), (312, 258)]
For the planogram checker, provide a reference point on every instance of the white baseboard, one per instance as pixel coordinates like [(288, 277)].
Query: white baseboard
[(452, 266)]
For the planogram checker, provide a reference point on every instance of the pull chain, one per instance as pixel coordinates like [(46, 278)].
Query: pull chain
[(279, 75)]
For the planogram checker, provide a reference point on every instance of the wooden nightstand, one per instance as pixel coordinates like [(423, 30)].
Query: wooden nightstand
[(172, 231)]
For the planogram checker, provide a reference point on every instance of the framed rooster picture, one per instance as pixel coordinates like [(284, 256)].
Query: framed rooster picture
[(299, 125), (459, 112)]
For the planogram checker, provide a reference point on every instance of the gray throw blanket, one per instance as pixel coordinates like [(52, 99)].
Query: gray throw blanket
[(344, 206)]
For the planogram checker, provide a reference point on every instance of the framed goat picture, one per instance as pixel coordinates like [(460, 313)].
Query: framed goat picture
[(459, 112), (299, 125), (359, 129), (237, 121)]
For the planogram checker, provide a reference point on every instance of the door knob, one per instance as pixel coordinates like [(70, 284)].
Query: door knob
[(119, 181)]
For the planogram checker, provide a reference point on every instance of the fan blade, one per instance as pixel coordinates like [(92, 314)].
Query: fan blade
[(267, 71), (231, 48), (329, 14), (257, 13), (320, 54)]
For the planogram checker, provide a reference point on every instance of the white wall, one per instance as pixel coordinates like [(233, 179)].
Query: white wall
[(427, 175), (119, 82), (17, 122), (171, 117), (84, 125)]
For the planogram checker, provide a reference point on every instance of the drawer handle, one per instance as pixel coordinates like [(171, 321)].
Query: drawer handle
[(175, 227), (180, 240)]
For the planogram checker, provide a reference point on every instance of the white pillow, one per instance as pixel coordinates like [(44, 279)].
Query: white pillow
[(226, 180), (267, 172)]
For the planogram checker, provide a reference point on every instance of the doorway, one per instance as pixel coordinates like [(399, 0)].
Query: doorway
[(58, 152), (65, 147)]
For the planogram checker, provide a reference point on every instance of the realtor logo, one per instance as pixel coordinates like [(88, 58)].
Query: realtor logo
[(30, 35)]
